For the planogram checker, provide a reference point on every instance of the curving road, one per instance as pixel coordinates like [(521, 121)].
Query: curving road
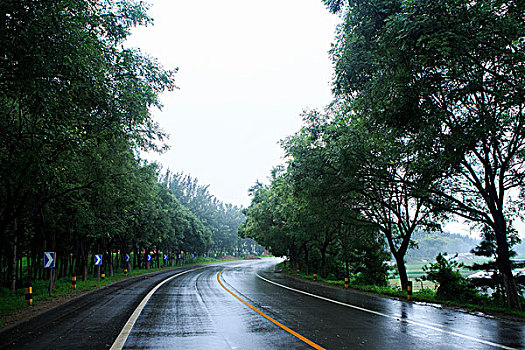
[(246, 305), (251, 308)]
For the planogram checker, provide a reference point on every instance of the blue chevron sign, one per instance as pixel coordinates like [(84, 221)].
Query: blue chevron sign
[(49, 260), (98, 259)]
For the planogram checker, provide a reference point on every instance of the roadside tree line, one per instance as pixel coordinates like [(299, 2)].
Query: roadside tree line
[(75, 114), (427, 123)]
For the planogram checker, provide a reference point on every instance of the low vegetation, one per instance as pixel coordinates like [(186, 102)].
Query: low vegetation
[(13, 302), (475, 302)]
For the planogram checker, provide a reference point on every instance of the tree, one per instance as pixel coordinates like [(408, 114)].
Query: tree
[(363, 171), (222, 220), (451, 284), (68, 90), (448, 75)]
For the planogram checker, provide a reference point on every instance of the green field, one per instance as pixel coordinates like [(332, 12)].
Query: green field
[(415, 273)]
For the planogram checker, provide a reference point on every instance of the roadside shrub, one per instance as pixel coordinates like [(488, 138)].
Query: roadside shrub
[(427, 292), (452, 286)]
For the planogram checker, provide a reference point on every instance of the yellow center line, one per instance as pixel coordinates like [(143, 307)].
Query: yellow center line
[(292, 332)]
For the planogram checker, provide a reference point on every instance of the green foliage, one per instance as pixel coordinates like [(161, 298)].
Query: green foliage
[(452, 286), (75, 111), (367, 256), (434, 74), (220, 221), (430, 244)]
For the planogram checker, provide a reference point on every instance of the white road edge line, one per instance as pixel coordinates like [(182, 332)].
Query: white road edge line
[(389, 316), (118, 344)]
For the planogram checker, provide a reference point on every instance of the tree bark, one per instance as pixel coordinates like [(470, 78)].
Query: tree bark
[(503, 261), (323, 262), (12, 268), (84, 256), (306, 262), (110, 262), (401, 269)]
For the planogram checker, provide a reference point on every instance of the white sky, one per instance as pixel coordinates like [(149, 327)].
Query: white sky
[(247, 69)]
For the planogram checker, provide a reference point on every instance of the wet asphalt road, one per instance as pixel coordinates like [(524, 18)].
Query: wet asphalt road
[(91, 321), (193, 311)]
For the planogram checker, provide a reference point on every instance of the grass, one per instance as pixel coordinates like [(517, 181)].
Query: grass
[(13, 302), (415, 268), (425, 294)]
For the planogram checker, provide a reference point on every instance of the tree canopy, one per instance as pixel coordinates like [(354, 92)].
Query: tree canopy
[(426, 124), (75, 113)]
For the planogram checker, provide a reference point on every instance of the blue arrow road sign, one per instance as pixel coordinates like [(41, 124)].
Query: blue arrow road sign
[(128, 258), (149, 257), (98, 259), (165, 256), (49, 260)]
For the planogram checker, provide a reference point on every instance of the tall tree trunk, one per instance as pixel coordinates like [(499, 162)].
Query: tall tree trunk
[(401, 269), (135, 256), (12, 268), (67, 257), (293, 257), (110, 263), (29, 265), (19, 268), (323, 262), (2, 280), (306, 262), (39, 264), (399, 254), (84, 255), (503, 261)]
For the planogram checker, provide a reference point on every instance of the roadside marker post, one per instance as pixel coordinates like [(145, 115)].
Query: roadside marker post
[(128, 261), (49, 263), (315, 277), (103, 276), (98, 262), (74, 282), (297, 272), (433, 327), (409, 290), (346, 282), (29, 294)]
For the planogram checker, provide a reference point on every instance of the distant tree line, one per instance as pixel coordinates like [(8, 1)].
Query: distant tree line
[(74, 115), (427, 122), (430, 244)]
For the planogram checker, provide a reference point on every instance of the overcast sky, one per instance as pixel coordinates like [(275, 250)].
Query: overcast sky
[(247, 69)]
